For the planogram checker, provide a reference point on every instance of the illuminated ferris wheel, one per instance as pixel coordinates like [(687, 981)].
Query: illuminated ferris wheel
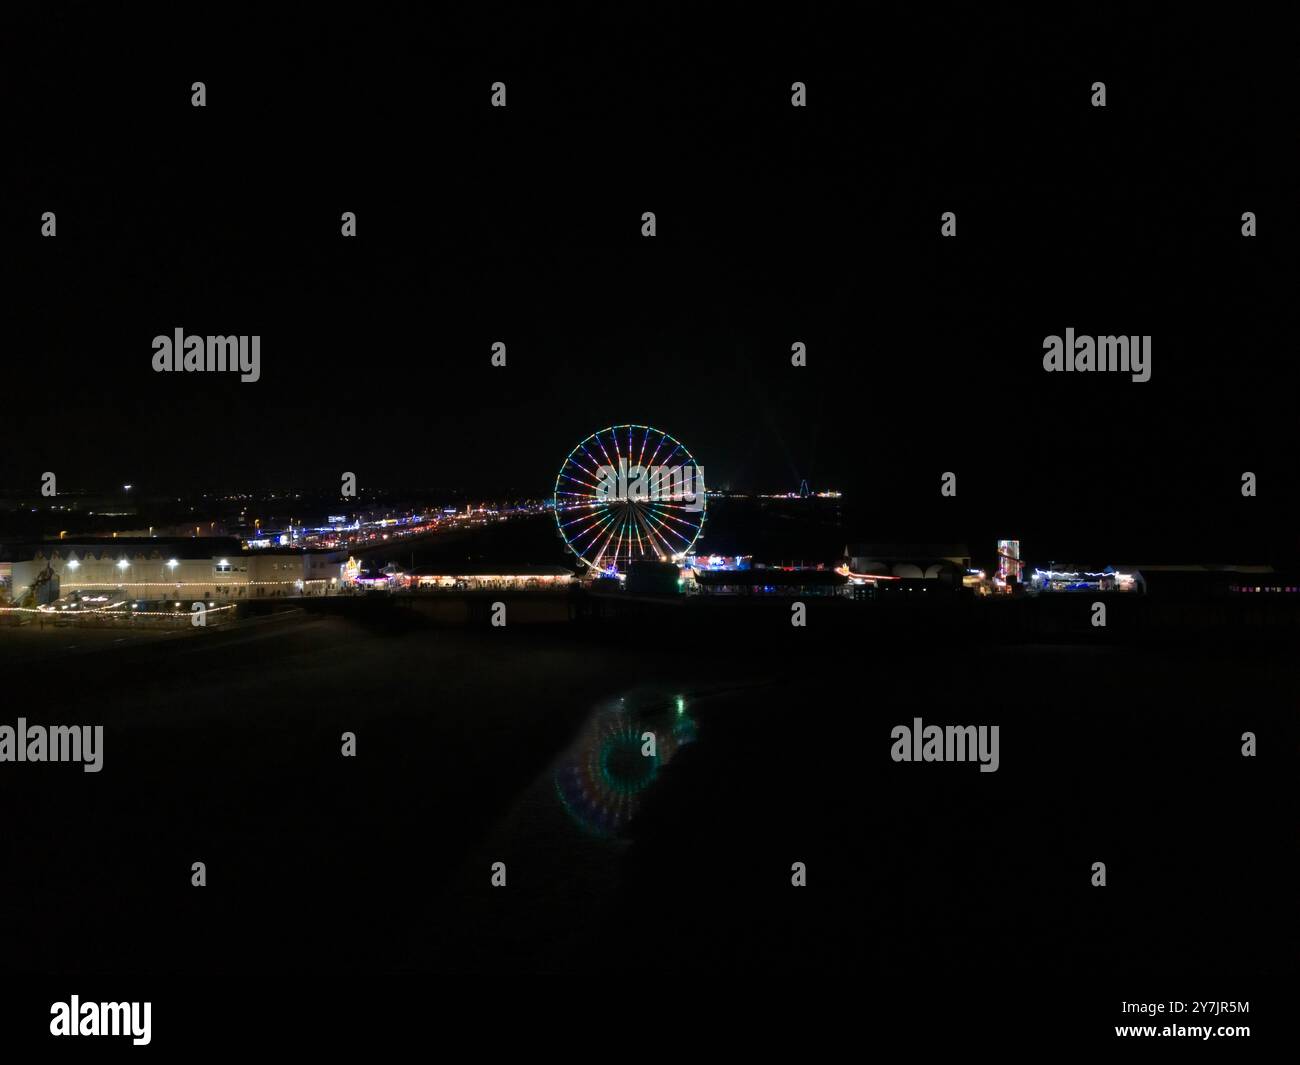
[(628, 493)]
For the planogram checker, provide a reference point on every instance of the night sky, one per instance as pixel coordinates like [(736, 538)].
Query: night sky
[(775, 225)]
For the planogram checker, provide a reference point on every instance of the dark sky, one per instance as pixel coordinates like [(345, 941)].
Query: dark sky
[(775, 225)]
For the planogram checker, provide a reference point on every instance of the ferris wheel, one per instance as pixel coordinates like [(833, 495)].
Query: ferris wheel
[(629, 493)]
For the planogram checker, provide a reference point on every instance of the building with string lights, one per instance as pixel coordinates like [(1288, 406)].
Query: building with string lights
[(149, 568)]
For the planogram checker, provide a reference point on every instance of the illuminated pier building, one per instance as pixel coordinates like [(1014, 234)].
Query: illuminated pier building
[(148, 568)]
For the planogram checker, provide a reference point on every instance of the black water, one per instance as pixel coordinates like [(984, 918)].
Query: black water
[(522, 746)]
